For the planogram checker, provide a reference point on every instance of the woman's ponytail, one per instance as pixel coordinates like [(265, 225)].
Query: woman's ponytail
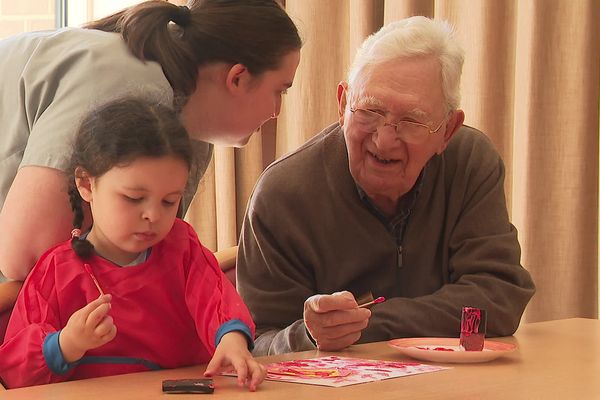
[(153, 31)]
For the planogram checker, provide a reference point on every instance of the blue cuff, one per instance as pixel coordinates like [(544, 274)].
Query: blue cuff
[(235, 325), (54, 356)]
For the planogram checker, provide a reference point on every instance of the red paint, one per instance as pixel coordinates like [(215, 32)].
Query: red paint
[(435, 348), (378, 300)]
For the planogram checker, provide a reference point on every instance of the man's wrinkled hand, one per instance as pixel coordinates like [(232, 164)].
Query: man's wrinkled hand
[(334, 321)]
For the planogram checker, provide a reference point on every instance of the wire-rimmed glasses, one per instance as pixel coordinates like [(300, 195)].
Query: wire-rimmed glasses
[(409, 131)]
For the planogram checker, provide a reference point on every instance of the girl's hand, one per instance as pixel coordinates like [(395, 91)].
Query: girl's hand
[(233, 351), (88, 328)]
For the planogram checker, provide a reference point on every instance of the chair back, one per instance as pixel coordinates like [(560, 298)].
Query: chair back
[(8, 296), (4, 317)]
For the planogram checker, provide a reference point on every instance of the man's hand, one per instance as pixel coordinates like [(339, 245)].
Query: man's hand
[(88, 328), (334, 321), (232, 351)]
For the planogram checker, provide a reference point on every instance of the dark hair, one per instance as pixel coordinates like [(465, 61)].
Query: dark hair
[(255, 33), (117, 134)]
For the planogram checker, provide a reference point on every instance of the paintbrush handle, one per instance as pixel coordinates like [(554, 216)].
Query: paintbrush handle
[(378, 300), (88, 269)]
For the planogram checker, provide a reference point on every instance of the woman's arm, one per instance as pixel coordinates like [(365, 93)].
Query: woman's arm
[(36, 215)]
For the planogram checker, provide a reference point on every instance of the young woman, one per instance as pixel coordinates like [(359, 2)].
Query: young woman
[(223, 64), (138, 292)]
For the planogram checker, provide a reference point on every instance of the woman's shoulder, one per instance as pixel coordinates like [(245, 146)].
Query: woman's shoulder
[(94, 52), (62, 41), (74, 46)]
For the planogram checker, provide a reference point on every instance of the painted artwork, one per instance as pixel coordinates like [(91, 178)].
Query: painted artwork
[(343, 371)]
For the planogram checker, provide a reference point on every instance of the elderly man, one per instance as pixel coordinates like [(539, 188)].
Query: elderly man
[(397, 199)]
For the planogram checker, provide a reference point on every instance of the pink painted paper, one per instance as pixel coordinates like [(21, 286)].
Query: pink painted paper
[(343, 371)]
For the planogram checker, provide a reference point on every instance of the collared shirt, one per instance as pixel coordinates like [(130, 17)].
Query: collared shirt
[(397, 223)]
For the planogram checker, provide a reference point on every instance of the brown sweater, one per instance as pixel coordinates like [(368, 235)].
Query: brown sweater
[(307, 231)]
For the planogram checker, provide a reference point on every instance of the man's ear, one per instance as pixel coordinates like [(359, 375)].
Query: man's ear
[(83, 181), (454, 123), (342, 94), (238, 77)]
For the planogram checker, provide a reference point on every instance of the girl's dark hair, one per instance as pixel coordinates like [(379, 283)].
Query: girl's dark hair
[(255, 33), (117, 134)]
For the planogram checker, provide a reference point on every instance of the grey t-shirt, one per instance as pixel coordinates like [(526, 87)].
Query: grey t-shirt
[(51, 79)]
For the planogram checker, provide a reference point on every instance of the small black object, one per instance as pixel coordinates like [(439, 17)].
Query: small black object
[(188, 386)]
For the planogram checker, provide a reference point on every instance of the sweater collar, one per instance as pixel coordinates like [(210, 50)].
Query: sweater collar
[(405, 204)]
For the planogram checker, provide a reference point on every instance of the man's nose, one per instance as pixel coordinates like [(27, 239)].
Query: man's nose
[(385, 137)]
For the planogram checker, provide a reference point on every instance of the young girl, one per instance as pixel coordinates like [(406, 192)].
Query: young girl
[(138, 292)]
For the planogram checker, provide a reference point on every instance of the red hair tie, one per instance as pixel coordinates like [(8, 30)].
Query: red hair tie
[(75, 233)]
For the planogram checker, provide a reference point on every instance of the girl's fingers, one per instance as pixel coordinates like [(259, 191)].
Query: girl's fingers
[(240, 366), (97, 315), (90, 307), (213, 366), (258, 373), (110, 335), (104, 326)]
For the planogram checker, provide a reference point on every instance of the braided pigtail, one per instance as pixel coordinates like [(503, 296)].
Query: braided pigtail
[(82, 247)]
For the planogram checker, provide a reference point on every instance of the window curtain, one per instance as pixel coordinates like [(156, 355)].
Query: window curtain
[(531, 82)]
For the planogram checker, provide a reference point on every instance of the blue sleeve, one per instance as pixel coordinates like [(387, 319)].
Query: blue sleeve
[(54, 356), (235, 325)]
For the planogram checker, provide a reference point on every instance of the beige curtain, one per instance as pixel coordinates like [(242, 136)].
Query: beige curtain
[(531, 82)]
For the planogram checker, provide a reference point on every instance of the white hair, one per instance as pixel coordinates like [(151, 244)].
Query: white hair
[(414, 37)]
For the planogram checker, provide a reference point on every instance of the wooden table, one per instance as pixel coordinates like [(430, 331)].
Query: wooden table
[(554, 360)]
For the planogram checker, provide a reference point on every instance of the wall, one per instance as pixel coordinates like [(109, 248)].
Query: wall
[(21, 16)]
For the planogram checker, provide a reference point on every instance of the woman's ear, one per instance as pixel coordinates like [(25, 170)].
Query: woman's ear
[(238, 77), (83, 181), (342, 94)]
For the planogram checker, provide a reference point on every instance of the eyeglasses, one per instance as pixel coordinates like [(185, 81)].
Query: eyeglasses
[(409, 131)]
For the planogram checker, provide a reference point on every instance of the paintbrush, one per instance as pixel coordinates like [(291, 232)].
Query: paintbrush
[(88, 269), (378, 300)]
